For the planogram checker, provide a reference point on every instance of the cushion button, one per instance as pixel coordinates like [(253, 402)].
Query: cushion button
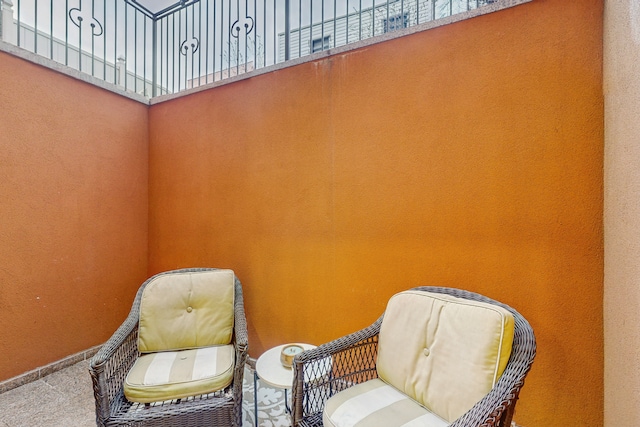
[(189, 309), (426, 351)]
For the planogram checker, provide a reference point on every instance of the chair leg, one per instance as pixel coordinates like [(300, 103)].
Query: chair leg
[(507, 416)]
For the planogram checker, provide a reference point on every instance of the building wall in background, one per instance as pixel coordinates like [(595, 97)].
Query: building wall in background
[(622, 212), (470, 156), (73, 213)]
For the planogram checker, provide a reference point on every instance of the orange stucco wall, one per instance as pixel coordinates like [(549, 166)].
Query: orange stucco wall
[(467, 156), (73, 213)]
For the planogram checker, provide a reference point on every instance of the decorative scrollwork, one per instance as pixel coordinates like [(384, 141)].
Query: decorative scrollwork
[(77, 16), (190, 45), (246, 22)]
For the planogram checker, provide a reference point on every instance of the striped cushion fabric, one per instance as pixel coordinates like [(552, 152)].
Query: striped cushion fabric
[(169, 375), (375, 403)]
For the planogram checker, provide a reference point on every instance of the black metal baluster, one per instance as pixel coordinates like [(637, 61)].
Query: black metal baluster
[(51, 29), (145, 48), (206, 49), (135, 50), (322, 25), (19, 9), (180, 58), (221, 38), (193, 50), (360, 21), (335, 21), (310, 26), (115, 44), (299, 28), (126, 43), (104, 41), (35, 29)]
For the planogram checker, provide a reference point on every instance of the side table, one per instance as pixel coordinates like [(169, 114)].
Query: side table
[(270, 370)]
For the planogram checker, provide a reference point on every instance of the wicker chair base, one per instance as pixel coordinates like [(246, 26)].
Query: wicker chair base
[(110, 365)]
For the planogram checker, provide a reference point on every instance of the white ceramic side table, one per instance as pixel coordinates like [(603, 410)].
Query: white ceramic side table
[(270, 370)]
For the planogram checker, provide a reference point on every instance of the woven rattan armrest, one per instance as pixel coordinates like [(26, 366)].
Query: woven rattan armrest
[(111, 364), (241, 343), (333, 366)]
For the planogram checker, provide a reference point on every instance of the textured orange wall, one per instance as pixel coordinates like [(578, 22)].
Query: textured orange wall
[(468, 156), (73, 213)]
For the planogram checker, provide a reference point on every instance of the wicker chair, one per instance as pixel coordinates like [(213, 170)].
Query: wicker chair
[(109, 367), (352, 360)]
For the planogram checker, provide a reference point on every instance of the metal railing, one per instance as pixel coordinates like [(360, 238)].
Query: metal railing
[(156, 47)]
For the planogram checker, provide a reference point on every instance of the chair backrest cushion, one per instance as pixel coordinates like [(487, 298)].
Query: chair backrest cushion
[(442, 351), (187, 310)]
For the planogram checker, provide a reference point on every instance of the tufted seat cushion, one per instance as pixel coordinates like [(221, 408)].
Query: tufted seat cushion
[(169, 375), (444, 352), (375, 403)]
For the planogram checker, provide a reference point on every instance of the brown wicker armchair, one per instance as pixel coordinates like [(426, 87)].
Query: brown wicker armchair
[(110, 366), (352, 360)]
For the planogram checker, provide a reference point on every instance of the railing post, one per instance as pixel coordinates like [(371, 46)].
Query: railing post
[(7, 27), (121, 67)]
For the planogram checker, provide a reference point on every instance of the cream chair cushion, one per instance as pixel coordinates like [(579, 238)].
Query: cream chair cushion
[(374, 404), (444, 352), (169, 375), (187, 310)]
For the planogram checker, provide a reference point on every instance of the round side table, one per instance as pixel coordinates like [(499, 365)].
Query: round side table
[(270, 371)]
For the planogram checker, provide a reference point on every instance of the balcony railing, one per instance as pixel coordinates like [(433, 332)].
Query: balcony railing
[(157, 47)]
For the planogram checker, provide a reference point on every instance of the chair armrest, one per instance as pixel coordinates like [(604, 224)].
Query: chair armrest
[(241, 344), (241, 335), (110, 365), (329, 368)]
